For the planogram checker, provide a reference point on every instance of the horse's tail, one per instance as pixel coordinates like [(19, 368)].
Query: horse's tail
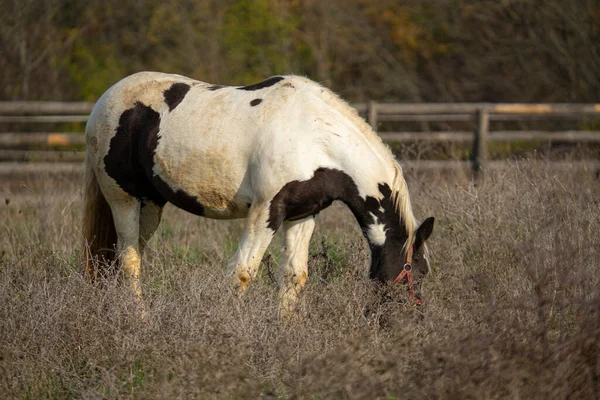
[(98, 227)]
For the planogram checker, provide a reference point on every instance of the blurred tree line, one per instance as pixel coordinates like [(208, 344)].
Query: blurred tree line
[(388, 50)]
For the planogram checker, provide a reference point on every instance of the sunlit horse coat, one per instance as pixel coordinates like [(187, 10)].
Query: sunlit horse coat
[(276, 153)]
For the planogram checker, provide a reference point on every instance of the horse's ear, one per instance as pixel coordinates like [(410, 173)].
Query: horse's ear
[(423, 232)]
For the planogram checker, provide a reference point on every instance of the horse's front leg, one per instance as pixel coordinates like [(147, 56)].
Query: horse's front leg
[(293, 269), (255, 239)]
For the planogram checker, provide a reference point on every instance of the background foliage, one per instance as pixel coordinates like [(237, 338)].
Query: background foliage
[(393, 50)]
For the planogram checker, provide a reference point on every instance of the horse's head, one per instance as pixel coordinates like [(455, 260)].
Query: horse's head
[(403, 263)]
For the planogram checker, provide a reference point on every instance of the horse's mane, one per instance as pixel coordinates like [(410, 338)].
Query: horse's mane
[(399, 187), (402, 203)]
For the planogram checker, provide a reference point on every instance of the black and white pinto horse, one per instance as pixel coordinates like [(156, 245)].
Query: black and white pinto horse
[(276, 153)]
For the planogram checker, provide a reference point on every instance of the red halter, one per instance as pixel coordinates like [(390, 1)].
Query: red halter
[(407, 271)]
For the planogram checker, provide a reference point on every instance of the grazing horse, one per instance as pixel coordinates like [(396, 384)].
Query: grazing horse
[(276, 153)]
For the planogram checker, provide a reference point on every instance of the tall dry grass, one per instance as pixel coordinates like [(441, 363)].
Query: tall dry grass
[(512, 305)]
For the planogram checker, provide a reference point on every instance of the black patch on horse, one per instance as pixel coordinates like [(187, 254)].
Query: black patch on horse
[(130, 160), (300, 199), (388, 217), (129, 151), (180, 198), (215, 87), (175, 94), (255, 102), (264, 84)]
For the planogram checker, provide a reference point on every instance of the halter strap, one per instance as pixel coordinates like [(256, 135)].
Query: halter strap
[(407, 271), (409, 254)]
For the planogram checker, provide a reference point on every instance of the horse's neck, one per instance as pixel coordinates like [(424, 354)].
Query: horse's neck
[(376, 213), (368, 166), (372, 170)]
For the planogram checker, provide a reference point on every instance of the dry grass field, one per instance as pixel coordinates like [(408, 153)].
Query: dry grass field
[(512, 307)]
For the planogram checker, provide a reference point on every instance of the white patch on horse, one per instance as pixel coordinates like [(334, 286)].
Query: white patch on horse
[(376, 232), (148, 88)]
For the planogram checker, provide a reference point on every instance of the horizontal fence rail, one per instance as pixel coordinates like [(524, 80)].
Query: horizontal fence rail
[(12, 173), (470, 108), (41, 155), (42, 146), (494, 136), (13, 108), (26, 139)]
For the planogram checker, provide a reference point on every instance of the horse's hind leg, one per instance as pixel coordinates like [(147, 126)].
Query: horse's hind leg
[(293, 270), (126, 215), (150, 214)]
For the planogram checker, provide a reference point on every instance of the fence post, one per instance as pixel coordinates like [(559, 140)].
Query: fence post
[(480, 142), (372, 114)]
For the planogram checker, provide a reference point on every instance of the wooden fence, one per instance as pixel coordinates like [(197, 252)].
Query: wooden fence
[(34, 146)]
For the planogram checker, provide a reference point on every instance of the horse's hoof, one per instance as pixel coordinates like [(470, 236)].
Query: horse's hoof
[(240, 282)]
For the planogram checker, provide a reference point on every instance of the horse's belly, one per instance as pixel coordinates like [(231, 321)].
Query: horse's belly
[(207, 183)]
